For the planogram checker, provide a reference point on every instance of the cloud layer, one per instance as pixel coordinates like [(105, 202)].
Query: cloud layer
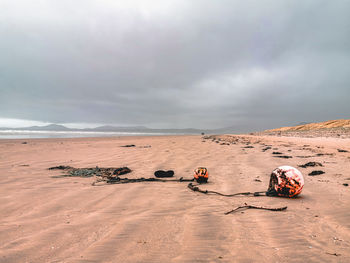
[(205, 64)]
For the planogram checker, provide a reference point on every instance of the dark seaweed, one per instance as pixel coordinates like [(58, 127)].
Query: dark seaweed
[(317, 172), (310, 164)]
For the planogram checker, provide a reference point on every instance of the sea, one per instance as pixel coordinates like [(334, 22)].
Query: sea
[(28, 134)]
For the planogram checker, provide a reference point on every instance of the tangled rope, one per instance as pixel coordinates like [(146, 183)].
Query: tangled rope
[(197, 189), (118, 180), (111, 176)]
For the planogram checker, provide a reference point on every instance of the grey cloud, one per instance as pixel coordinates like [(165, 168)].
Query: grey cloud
[(259, 64)]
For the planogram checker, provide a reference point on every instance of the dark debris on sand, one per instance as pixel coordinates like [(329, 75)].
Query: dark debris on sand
[(283, 156), (322, 154), (317, 172), (310, 164), (89, 172), (128, 145), (266, 148), (342, 151), (61, 167)]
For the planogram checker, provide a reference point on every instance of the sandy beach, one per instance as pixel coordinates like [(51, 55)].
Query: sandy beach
[(48, 218)]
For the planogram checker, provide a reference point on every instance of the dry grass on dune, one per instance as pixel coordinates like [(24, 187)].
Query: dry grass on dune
[(316, 126)]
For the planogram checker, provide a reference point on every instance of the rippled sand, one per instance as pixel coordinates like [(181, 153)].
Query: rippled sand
[(46, 219)]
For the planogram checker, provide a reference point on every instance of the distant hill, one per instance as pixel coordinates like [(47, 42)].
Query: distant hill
[(50, 127), (113, 128), (107, 128), (315, 126)]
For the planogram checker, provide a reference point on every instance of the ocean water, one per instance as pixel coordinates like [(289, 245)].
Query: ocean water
[(27, 134)]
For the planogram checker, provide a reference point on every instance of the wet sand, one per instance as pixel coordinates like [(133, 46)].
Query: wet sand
[(48, 219)]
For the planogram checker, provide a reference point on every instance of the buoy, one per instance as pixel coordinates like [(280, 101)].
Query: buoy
[(285, 181), (201, 175)]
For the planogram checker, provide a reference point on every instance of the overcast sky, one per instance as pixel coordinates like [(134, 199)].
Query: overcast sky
[(186, 63)]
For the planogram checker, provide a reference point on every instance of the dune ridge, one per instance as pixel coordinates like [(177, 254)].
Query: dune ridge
[(331, 124)]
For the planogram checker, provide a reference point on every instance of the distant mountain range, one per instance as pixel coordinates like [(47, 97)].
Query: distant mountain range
[(133, 129), (143, 129), (107, 128)]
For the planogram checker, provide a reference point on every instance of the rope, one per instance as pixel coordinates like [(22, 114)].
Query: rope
[(256, 207), (118, 180), (197, 189)]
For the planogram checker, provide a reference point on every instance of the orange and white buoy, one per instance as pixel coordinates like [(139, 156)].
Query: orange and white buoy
[(285, 181), (201, 175)]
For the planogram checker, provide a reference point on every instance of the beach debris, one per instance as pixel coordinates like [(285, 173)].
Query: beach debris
[(322, 154), (87, 172), (121, 171), (248, 146), (163, 174), (246, 206), (24, 143), (342, 151), (266, 148), (128, 145), (76, 172), (61, 167), (316, 172), (109, 172), (118, 180), (224, 143), (285, 181), (310, 164), (333, 254), (195, 188), (283, 156), (346, 184), (257, 180), (276, 153), (201, 175)]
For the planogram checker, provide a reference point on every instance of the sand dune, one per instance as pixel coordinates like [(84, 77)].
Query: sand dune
[(46, 219), (332, 124)]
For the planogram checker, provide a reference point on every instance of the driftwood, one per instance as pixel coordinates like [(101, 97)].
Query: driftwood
[(256, 207)]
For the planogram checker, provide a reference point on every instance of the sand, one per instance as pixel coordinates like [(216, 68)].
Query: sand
[(48, 219)]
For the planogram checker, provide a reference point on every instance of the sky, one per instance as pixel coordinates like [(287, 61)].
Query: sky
[(248, 65)]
